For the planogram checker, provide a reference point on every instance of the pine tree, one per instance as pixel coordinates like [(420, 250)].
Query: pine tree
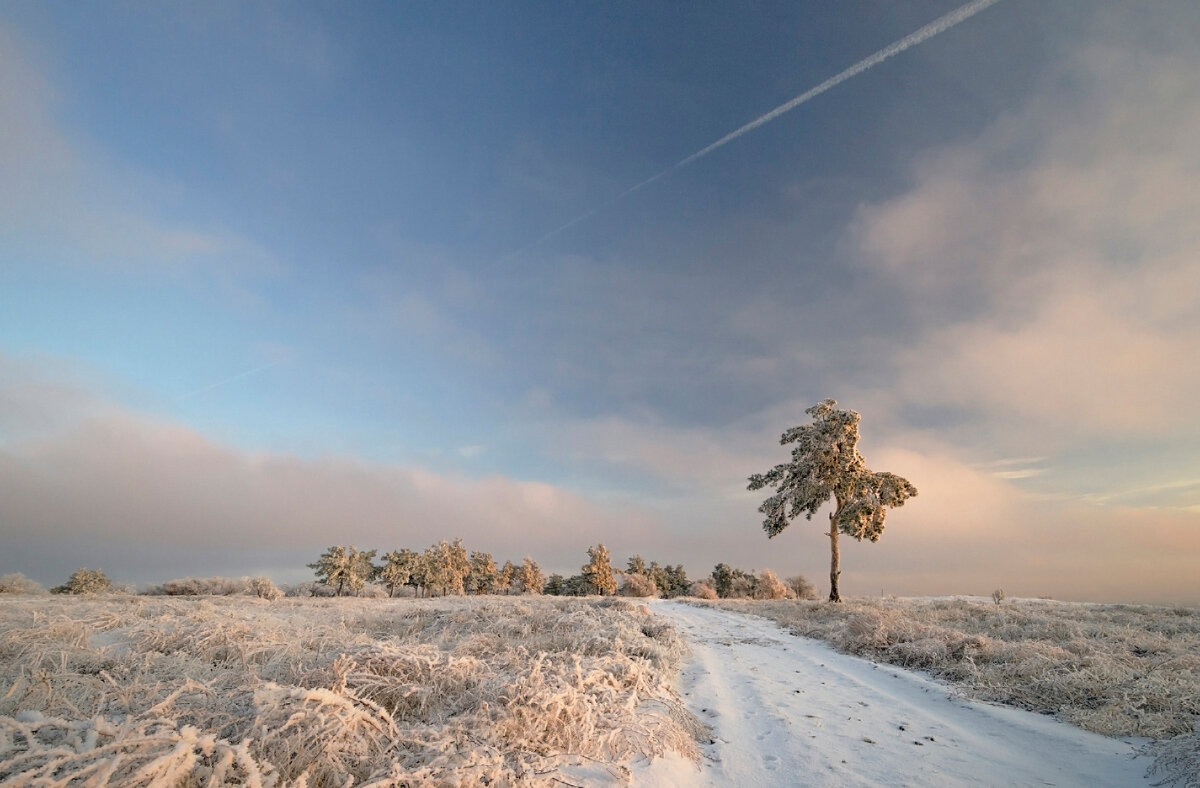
[(446, 567), (482, 577), (398, 569), (599, 572), (826, 465), (530, 577), (506, 577), (344, 568), (554, 585), (722, 580)]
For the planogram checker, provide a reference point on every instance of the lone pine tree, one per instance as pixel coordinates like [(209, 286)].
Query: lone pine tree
[(826, 464)]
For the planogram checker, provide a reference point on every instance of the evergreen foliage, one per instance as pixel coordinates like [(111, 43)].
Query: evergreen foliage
[(598, 572), (826, 465), (345, 568)]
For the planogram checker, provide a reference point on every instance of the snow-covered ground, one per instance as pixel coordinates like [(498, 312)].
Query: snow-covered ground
[(787, 710)]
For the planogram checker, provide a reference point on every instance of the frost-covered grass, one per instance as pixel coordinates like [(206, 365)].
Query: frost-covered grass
[(1117, 670), (320, 692)]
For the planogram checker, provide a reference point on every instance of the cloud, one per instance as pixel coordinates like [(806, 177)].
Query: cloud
[(1051, 261), (64, 199), (130, 488)]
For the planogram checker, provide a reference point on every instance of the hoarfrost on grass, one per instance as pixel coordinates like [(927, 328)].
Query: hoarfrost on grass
[(239, 691)]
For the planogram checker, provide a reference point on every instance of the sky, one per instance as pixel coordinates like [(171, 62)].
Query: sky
[(278, 276)]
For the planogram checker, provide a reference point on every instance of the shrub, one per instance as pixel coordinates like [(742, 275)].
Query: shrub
[(639, 586), (84, 581), (201, 586), (17, 583), (770, 587), (263, 588), (703, 589), (801, 587)]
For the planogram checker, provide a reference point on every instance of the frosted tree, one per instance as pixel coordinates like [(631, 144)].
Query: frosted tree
[(722, 580), (460, 565), (399, 567), (345, 568), (826, 465), (446, 567), (636, 566), (506, 577), (598, 572), (530, 577), (482, 577)]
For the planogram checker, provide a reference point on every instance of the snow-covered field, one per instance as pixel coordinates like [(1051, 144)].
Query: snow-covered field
[(130, 691), (125, 690)]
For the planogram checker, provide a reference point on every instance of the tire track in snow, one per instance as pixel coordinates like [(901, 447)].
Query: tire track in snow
[(787, 710)]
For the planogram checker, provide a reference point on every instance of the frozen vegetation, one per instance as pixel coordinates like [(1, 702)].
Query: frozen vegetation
[(122, 690)]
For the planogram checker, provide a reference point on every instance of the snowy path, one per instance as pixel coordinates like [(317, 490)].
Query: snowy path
[(792, 711)]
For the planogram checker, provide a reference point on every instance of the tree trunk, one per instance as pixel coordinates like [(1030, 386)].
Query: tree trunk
[(835, 558)]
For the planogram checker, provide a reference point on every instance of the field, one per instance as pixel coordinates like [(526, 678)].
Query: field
[(128, 691), (199, 691)]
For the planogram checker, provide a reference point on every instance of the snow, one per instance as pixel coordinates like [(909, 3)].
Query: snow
[(787, 710)]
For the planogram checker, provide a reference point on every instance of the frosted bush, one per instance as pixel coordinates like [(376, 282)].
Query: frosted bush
[(770, 587), (702, 589), (329, 692), (263, 588), (801, 587), (201, 586), (17, 583), (84, 581), (638, 586)]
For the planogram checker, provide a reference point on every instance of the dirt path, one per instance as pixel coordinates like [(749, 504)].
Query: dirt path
[(791, 711)]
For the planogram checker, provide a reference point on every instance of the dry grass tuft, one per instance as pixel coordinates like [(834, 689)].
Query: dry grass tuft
[(323, 692)]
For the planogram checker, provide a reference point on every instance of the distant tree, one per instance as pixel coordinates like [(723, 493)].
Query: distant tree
[(84, 581), (672, 582), (530, 577), (460, 565), (744, 585), (801, 587), (482, 577), (722, 580), (636, 566), (446, 567), (398, 569), (599, 572), (345, 568), (554, 585), (577, 585), (826, 465), (506, 577)]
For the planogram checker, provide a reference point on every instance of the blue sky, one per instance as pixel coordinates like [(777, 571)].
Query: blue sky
[(278, 276)]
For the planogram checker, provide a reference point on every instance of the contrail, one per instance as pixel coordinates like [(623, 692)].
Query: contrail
[(230, 379), (939, 25)]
